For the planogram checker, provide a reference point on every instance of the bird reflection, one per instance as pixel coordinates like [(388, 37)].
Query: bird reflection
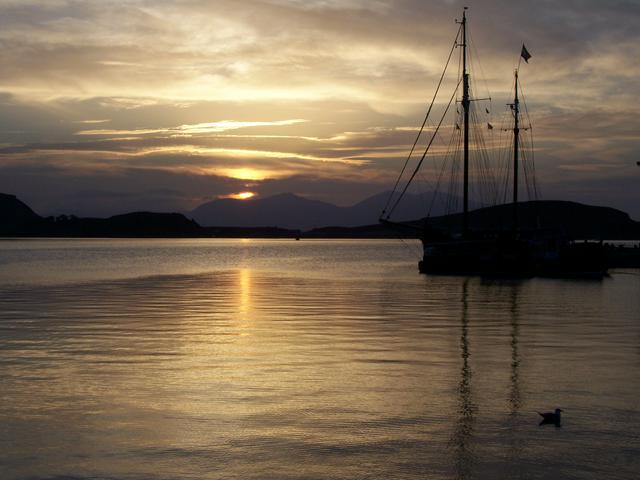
[(463, 431)]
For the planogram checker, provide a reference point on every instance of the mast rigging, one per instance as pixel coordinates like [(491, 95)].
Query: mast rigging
[(465, 107)]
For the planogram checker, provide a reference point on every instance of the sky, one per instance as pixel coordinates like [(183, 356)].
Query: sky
[(121, 105)]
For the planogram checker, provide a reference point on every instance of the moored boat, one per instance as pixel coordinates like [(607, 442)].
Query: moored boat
[(506, 251)]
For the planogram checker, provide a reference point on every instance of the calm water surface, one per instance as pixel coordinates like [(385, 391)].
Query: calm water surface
[(231, 359)]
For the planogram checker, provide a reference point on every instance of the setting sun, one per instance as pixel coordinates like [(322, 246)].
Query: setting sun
[(239, 196)]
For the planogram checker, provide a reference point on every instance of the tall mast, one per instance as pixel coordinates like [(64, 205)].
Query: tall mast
[(465, 107), (516, 133)]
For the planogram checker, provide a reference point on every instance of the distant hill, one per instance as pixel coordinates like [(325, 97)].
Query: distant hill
[(291, 211), (16, 216), (285, 210), (573, 219), (17, 219), (137, 224)]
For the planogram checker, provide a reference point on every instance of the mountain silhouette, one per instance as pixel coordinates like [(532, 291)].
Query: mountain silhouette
[(18, 219), (575, 220), (285, 210), (16, 216), (288, 210), (136, 224)]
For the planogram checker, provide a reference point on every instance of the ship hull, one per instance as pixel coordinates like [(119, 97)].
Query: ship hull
[(514, 258)]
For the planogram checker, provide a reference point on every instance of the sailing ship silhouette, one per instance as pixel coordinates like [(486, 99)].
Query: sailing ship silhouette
[(509, 250)]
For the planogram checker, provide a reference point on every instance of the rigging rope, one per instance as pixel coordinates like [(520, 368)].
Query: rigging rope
[(531, 162), (424, 122), (453, 144), (415, 171), (490, 184)]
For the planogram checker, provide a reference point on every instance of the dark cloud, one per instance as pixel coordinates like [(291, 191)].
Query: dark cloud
[(52, 190), (358, 72)]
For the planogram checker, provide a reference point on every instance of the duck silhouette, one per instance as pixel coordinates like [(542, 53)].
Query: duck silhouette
[(551, 417)]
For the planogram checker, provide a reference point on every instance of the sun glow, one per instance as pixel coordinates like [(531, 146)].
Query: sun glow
[(239, 196), (245, 173)]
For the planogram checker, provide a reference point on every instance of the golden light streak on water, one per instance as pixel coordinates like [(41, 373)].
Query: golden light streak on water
[(164, 359)]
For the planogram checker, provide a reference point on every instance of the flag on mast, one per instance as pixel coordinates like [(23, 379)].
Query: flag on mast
[(525, 53)]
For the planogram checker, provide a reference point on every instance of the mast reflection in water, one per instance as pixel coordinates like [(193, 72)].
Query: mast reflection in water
[(164, 359), (462, 438)]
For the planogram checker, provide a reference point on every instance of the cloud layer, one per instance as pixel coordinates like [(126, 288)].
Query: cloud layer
[(161, 105)]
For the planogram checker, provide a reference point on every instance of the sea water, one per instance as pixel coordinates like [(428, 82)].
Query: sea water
[(320, 359)]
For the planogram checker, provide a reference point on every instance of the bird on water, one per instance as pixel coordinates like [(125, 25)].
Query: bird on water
[(551, 417)]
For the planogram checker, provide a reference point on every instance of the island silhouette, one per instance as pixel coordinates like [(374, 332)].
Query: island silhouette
[(247, 218)]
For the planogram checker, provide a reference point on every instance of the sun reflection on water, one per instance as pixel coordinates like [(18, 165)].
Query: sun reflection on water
[(309, 366), (245, 308)]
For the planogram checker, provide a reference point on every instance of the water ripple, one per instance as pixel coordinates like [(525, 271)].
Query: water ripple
[(314, 364)]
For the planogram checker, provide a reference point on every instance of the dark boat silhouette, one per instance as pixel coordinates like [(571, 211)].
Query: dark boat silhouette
[(510, 251)]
